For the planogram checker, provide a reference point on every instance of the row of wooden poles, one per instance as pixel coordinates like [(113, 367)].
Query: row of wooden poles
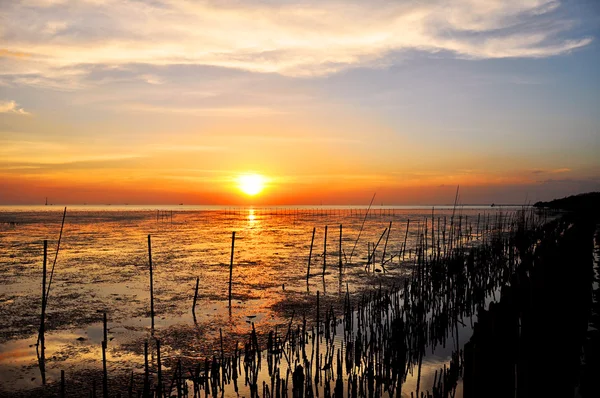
[(444, 285), (167, 215), (280, 211), (380, 326)]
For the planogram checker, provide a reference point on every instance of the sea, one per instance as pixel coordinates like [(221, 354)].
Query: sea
[(98, 261)]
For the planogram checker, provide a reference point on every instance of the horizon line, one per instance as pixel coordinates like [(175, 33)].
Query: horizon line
[(493, 204)]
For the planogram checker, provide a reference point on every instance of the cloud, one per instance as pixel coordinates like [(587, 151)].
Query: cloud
[(551, 171), (296, 39), (12, 107), (188, 148), (248, 111), (151, 79), (304, 140), (91, 162), (562, 170)]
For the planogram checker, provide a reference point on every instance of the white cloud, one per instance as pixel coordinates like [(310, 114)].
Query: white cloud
[(151, 79), (296, 39), (12, 107)]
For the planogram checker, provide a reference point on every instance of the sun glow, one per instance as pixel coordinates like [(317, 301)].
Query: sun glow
[(251, 184)]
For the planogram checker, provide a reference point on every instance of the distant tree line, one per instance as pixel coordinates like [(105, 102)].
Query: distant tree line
[(585, 202)]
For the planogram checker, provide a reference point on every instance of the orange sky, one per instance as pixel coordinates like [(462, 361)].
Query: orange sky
[(331, 102)]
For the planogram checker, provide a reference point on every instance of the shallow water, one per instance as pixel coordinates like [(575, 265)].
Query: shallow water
[(102, 266)]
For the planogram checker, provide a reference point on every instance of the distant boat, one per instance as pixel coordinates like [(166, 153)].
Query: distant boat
[(493, 205), (46, 201)]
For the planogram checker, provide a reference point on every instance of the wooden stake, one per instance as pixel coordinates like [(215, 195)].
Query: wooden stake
[(340, 247), (195, 298), (312, 241), (151, 281), (159, 370), (385, 246), (105, 328), (405, 237), (231, 265), (104, 372), (42, 338), (325, 251)]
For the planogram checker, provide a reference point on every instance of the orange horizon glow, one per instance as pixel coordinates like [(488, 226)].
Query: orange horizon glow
[(327, 190)]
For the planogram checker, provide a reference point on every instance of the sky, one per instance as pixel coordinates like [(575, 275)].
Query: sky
[(171, 101)]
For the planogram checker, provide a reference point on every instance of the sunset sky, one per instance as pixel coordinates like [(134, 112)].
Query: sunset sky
[(170, 101)]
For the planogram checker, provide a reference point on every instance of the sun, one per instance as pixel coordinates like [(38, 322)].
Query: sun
[(251, 184)]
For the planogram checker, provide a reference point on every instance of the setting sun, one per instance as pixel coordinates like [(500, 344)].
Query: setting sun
[(251, 184)]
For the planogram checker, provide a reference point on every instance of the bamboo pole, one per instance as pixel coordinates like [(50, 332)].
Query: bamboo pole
[(195, 298), (159, 391), (42, 338), (151, 282), (105, 329), (405, 237), (361, 228), (310, 254), (325, 251), (62, 225), (231, 265), (340, 254), (385, 245), (104, 372)]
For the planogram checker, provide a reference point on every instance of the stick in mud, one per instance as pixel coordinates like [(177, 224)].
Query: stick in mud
[(151, 282), (104, 372), (159, 391), (325, 251), (385, 246), (195, 298), (45, 294), (372, 257), (41, 336), (312, 241), (62, 225), (361, 227), (405, 237), (105, 329), (231, 265), (340, 254)]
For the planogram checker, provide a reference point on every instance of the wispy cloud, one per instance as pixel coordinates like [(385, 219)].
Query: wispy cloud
[(16, 152), (300, 140), (187, 148), (296, 39), (250, 111), (551, 171), (12, 107)]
